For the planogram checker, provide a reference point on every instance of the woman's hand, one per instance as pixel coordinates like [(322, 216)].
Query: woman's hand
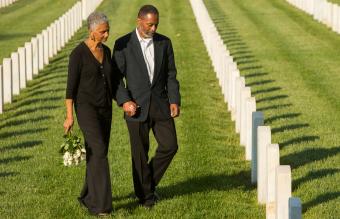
[(69, 115), (68, 124)]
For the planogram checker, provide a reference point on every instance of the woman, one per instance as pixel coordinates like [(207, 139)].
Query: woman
[(89, 89)]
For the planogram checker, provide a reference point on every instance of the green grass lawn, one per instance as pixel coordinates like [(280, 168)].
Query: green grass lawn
[(24, 19), (334, 1), (208, 178), (292, 64)]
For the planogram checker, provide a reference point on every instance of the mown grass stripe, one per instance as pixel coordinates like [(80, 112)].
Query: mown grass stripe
[(24, 19), (291, 62), (208, 177)]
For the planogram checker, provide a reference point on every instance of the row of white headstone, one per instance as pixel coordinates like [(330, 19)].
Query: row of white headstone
[(273, 180), (4, 3), (323, 11), (28, 60)]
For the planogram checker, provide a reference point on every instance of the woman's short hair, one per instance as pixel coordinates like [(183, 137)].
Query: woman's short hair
[(96, 18)]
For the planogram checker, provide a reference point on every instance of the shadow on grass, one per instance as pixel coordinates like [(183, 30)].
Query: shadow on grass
[(10, 36), (46, 91), (273, 101), (281, 116), (18, 122), (22, 145), (317, 174), (271, 98), (266, 90), (37, 100), (298, 140), (14, 159), (290, 127), (259, 83), (6, 174), (34, 109), (309, 155), (320, 199), (45, 78), (274, 107), (202, 184), (7, 134)]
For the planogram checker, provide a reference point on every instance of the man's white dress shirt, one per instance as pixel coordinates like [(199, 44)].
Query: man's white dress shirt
[(148, 53)]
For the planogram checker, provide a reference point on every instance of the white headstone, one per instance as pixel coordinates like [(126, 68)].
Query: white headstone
[(334, 17), (58, 33), (80, 19), (283, 191), (250, 108), (1, 91), (15, 73), (29, 61), (229, 61), (54, 38), (337, 29), (35, 55), (7, 82), (295, 208), (22, 66), (235, 74), (46, 47), (62, 31), (263, 140), (240, 84), (231, 80), (67, 27), (50, 41), (245, 93), (84, 5), (72, 29), (258, 120), (40, 51), (273, 161)]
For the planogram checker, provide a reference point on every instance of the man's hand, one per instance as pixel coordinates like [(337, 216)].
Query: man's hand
[(130, 108), (68, 124), (174, 109)]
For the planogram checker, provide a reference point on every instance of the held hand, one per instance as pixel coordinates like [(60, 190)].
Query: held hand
[(174, 109), (130, 108), (68, 124)]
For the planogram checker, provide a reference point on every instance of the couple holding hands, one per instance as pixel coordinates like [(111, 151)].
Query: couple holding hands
[(141, 76)]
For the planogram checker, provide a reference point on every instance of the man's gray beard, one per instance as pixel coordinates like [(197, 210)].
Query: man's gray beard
[(149, 35)]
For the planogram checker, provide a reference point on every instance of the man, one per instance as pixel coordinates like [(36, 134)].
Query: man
[(150, 99)]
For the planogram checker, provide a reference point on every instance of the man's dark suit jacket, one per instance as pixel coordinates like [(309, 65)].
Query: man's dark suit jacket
[(164, 89)]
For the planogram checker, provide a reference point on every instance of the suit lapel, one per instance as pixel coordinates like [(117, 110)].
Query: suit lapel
[(137, 51), (158, 52)]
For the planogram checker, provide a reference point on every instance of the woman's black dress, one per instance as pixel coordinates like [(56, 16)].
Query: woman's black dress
[(89, 84)]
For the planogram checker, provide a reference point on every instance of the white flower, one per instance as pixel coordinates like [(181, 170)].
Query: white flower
[(76, 161), (78, 153), (83, 150), (75, 156), (69, 162), (83, 157), (67, 155)]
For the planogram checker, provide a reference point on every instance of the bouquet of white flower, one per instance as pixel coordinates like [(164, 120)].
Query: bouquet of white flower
[(72, 149)]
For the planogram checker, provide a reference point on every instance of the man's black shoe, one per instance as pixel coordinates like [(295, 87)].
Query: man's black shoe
[(148, 204), (156, 197)]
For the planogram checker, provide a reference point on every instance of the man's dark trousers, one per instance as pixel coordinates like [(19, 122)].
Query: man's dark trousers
[(154, 99), (146, 175)]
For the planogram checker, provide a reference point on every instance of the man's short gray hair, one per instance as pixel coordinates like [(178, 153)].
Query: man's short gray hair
[(96, 18)]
